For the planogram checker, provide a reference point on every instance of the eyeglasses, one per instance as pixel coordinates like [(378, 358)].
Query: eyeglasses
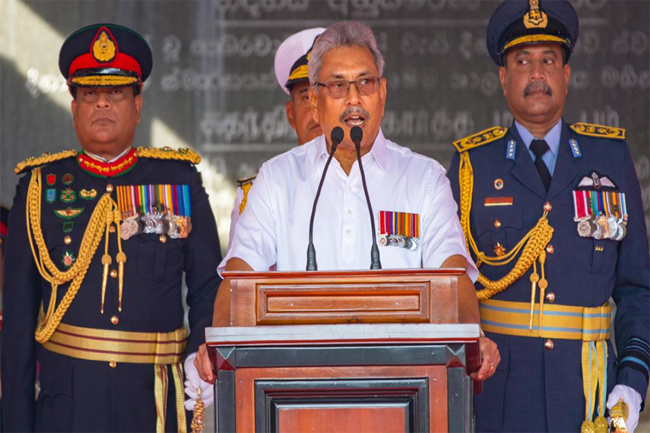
[(340, 88)]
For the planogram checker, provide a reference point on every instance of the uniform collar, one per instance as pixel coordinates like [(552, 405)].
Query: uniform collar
[(98, 166), (378, 151), (552, 138)]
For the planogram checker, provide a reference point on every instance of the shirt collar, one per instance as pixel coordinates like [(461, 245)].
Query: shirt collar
[(379, 150), (552, 138), (99, 158)]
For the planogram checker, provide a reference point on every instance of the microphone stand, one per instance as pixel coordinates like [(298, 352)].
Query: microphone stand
[(336, 137), (356, 134)]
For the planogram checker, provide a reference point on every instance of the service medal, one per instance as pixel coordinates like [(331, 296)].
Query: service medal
[(170, 226), (149, 225), (613, 226), (586, 228), (128, 228)]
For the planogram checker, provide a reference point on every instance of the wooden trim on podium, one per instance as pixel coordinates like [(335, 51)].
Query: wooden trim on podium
[(333, 297)]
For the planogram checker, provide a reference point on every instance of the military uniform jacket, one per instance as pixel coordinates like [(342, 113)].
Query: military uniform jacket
[(81, 395), (534, 388)]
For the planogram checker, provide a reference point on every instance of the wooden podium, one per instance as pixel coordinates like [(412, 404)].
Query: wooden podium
[(355, 351)]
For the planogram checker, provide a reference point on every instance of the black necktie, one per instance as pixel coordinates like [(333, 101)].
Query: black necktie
[(539, 148)]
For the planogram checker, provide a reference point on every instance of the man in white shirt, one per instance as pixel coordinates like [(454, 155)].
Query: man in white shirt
[(410, 193)]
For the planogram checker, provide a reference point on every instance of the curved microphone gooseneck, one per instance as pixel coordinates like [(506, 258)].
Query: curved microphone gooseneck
[(336, 137), (356, 134)]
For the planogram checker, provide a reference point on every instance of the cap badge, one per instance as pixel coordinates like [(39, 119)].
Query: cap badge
[(104, 48), (535, 18)]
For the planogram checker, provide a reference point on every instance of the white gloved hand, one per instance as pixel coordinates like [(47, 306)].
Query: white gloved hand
[(192, 384), (633, 400)]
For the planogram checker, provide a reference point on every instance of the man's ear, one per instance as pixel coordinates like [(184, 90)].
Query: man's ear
[(382, 94), (313, 104), (138, 107), (289, 107), (503, 75), (567, 74), (73, 109)]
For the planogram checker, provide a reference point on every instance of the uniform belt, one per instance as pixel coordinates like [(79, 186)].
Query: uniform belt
[(558, 321), (589, 325), (158, 348), (119, 346)]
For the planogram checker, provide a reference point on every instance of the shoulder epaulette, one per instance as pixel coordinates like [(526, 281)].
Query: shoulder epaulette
[(246, 180), (182, 154), (46, 158), (479, 139), (601, 131)]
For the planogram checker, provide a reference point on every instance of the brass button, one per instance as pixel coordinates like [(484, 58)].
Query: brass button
[(67, 240), (163, 238), (109, 188), (549, 344), (550, 249), (112, 364), (497, 223), (113, 273), (548, 207), (115, 320), (550, 297), (111, 228)]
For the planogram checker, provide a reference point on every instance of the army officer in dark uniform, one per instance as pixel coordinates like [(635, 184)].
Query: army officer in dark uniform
[(552, 213), (100, 239)]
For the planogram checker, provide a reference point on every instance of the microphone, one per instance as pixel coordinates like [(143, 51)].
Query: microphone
[(335, 138), (356, 134)]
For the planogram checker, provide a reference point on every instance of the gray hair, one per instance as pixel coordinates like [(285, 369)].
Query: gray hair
[(343, 34)]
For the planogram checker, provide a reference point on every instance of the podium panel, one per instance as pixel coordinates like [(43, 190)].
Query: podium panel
[(344, 378), (331, 399)]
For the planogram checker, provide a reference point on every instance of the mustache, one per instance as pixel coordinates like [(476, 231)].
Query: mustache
[(354, 110), (537, 86)]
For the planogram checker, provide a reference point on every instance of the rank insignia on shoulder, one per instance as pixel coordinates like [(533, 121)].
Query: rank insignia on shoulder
[(182, 154), (399, 229), (479, 139), (246, 180), (46, 158), (600, 131), (596, 181), (512, 150), (575, 149)]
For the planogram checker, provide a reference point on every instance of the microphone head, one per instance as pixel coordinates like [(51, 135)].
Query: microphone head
[(356, 134), (336, 136)]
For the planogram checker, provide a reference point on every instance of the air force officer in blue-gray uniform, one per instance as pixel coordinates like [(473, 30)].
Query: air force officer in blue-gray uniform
[(552, 213)]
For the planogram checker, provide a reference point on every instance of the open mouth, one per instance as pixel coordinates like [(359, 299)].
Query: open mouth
[(355, 119), (354, 116)]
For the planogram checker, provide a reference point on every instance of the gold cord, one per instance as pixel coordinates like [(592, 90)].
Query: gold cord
[(198, 420), (48, 322), (531, 245)]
